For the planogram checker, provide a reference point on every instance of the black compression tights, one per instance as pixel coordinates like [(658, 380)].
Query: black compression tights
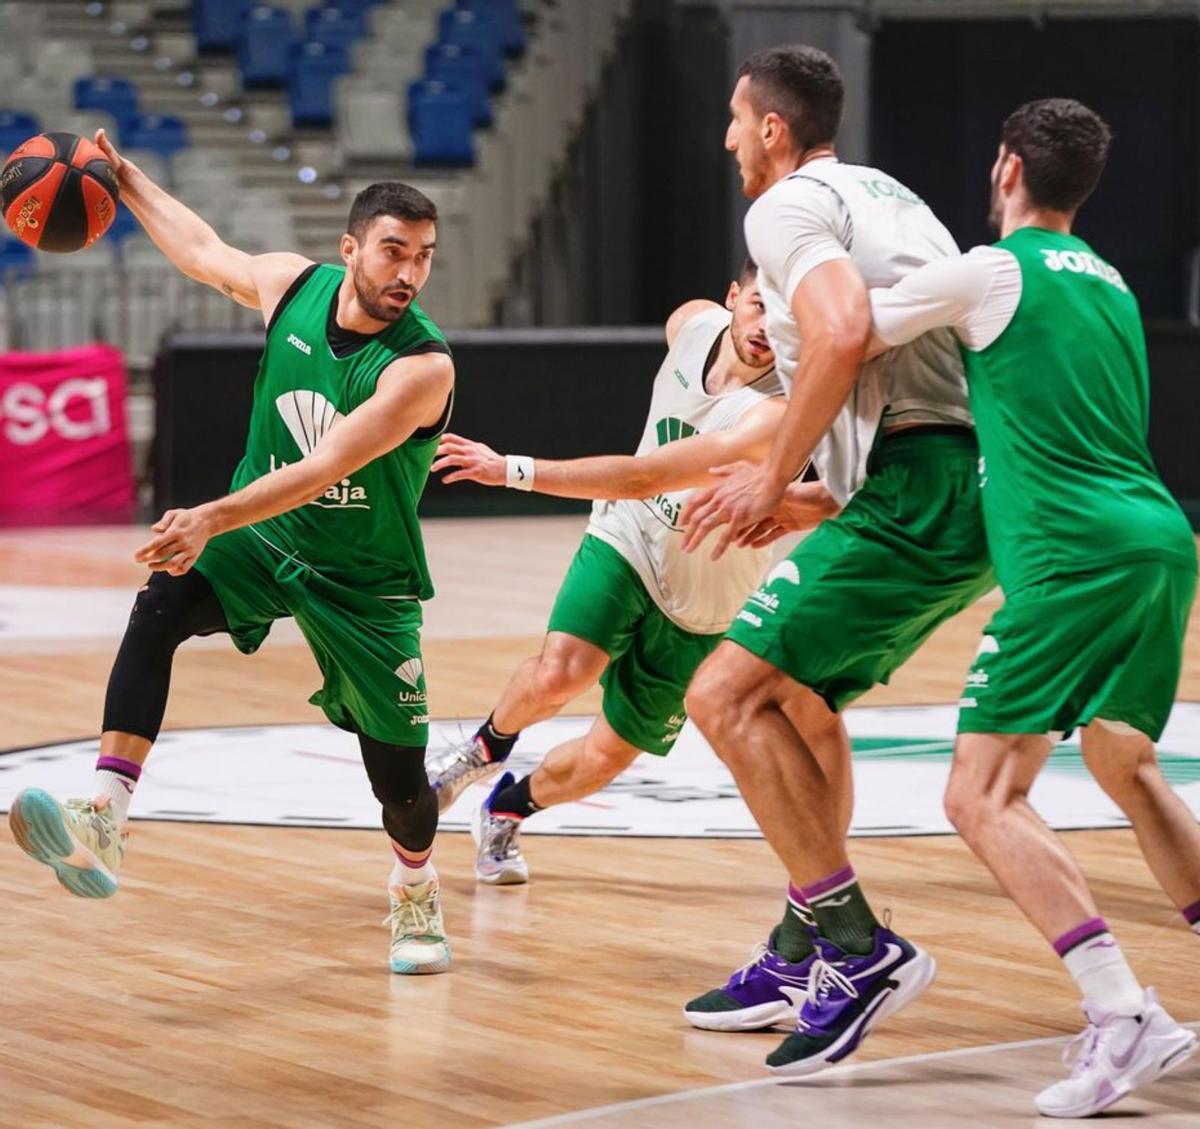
[(168, 610), (397, 775)]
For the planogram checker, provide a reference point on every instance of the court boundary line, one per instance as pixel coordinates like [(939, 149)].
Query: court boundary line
[(594, 1112)]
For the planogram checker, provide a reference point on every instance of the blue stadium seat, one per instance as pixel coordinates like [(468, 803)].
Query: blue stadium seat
[(116, 96), (439, 119), (16, 260), (216, 23), (165, 134), (335, 26), (313, 70), (507, 15), (464, 27), (464, 69), (16, 126), (265, 46)]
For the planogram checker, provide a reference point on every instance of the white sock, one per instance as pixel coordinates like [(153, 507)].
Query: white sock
[(404, 874), (118, 787), (1102, 972)]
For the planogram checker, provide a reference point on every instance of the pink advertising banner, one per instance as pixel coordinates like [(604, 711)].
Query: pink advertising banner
[(64, 445)]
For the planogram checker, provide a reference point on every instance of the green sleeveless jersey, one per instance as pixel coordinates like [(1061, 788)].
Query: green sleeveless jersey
[(363, 531), (1061, 406)]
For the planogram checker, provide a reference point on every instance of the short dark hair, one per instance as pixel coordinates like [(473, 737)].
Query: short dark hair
[(803, 86), (749, 271), (389, 198), (1064, 148)]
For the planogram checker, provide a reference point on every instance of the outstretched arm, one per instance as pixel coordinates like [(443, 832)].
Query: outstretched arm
[(833, 315), (675, 466), (410, 394), (257, 281)]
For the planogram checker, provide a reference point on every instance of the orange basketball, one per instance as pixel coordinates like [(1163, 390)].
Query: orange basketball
[(58, 192)]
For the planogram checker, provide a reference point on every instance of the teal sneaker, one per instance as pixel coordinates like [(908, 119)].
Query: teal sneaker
[(78, 841)]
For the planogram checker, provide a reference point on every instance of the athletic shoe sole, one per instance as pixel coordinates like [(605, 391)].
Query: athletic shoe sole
[(516, 876), (757, 1018), (912, 978), (420, 968), (1165, 1059), (40, 831)]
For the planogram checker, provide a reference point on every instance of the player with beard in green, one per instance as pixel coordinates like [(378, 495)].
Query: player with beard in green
[(354, 389)]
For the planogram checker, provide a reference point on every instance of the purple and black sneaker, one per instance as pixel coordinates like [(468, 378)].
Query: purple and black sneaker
[(766, 991), (847, 995)]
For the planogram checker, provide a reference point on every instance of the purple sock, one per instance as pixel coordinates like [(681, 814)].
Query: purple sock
[(1191, 914)]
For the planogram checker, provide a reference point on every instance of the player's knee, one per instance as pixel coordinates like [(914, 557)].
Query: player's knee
[(400, 784), (606, 762), (158, 613), (707, 701), (559, 679)]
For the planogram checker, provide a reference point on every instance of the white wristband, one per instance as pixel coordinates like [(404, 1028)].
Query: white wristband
[(518, 472)]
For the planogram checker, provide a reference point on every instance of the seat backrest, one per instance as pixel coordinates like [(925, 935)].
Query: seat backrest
[(439, 118)]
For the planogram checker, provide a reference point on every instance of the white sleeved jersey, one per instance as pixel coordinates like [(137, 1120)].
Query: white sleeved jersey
[(828, 210), (694, 592)]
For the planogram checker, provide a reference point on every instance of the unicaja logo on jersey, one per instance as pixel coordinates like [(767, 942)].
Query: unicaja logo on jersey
[(785, 571), (409, 672), (309, 416)]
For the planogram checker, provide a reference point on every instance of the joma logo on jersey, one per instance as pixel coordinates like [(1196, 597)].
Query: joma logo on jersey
[(682, 379), (1082, 262), (303, 346), (890, 189)]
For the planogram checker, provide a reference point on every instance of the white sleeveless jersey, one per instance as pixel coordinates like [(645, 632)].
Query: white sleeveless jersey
[(888, 232), (698, 594)]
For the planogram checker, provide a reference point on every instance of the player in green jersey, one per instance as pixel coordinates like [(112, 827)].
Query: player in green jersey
[(1098, 567), (354, 389)]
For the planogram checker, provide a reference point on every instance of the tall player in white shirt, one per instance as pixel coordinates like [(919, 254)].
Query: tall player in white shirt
[(892, 440)]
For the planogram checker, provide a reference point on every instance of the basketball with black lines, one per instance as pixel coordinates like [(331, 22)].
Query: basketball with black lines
[(58, 192)]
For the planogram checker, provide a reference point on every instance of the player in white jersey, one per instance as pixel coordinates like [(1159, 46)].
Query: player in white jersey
[(893, 442), (635, 611)]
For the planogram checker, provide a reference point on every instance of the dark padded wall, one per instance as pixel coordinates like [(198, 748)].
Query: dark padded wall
[(551, 393), (942, 89)]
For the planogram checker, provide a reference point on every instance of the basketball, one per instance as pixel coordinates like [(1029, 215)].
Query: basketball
[(58, 192)]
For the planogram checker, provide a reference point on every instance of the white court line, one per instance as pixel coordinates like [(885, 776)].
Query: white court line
[(759, 1083)]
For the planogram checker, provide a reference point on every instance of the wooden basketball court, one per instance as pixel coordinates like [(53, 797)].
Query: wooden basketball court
[(240, 977)]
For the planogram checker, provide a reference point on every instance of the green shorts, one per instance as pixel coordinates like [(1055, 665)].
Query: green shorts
[(368, 648), (1102, 645), (861, 593), (651, 659)]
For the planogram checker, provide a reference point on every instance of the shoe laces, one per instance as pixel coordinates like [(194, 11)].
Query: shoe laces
[(501, 841), (413, 917), (1080, 1052), (757, 955), (466, 759), (823, 979), (87, 810)]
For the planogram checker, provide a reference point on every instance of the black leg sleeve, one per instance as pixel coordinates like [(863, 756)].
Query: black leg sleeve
[(397, 775), (168, 610)]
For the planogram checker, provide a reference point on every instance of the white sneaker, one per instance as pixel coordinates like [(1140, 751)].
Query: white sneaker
[(499, 861), (1115, 1055), (419, 942)]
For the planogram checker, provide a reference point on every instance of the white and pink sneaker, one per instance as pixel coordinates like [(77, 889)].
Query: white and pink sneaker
[(1116, 1054)]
